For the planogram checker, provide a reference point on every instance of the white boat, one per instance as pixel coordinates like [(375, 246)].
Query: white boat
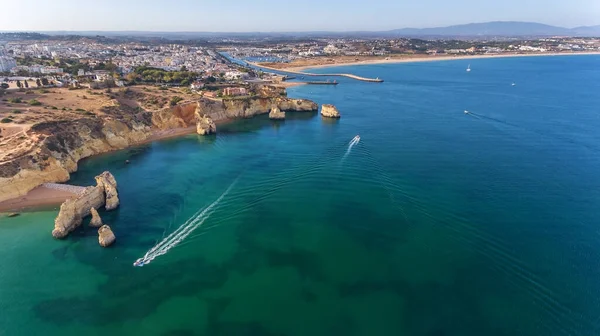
[(513, 84), (466, 112), (469, 68), (356, 138), (139, 262)]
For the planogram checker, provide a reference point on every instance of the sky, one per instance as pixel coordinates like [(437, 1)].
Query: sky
[(282, 15)]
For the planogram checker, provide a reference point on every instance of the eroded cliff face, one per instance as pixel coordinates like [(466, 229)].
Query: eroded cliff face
[(61, 144), (247, 108), (72, 211)]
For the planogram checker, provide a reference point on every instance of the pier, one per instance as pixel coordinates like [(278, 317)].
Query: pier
[(364, 79), (322, 83)]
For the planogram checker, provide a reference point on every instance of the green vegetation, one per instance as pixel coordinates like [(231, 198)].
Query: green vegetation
[(79, 110), (17, 111), (154, 75), (6, 120), (44, 91), (15, 100), (175, 100), (34, 102)]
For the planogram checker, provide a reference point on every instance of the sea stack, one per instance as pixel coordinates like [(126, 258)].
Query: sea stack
[(330, 111), (73, 210), (205, 125), (276, 114), (105, 236), (107, 181), (96, 220)]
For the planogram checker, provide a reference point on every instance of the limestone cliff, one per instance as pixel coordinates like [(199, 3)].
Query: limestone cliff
[(60, 144), (107, 181), (205, 125), (72, 211), (276, 114), (250, 107), (96, 220), (329, 111), (105, 236)]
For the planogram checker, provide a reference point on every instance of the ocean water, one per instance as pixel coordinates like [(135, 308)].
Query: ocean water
[(437, 223)]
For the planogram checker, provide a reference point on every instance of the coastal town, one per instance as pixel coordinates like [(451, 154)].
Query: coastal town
[(79, 61)]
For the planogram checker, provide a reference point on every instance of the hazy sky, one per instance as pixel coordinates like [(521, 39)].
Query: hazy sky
[(282, 15)]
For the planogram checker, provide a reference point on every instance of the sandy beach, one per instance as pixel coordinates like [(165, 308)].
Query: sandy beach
[(40, 196), (405, 59)]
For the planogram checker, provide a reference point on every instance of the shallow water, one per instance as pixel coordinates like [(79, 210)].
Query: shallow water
[(436, 223)]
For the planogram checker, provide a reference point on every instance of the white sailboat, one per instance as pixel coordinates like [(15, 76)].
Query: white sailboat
[(469, 68)]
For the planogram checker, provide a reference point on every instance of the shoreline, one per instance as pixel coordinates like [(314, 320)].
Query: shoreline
[(423, 58), (40, 196)]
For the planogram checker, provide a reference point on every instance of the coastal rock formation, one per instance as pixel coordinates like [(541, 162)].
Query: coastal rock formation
[(329, 111), (205, 126), (72, 211), (276, 114), (96, 220), (59, 145), (270, 91), (107, 181), (106, 237)]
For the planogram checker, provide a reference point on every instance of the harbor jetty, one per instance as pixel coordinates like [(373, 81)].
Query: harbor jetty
[(364, 79)]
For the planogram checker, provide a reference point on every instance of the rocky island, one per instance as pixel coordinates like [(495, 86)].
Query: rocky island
[(42, 146), (330, 111)]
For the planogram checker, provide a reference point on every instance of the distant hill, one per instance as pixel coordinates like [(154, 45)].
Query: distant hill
[(498, 28), (471, 30)]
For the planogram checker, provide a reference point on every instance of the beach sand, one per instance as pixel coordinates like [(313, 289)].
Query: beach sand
[(40, 196), (407, 59)]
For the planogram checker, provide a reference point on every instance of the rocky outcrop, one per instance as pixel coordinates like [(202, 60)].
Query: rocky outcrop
[(60, 144), (329, 111), (72, 211), (106, 237), (250, 107), (96, 220), (205, 125), (270, 91), (276, 114), (107, 181)]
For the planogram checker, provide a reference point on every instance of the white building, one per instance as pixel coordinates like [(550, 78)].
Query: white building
[(7, 63), (331, 49)]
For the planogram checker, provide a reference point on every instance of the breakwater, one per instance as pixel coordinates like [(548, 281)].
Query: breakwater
[(351, 76)]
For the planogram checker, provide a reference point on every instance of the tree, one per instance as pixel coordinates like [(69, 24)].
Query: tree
[(211, 79), (19, 85), (45, 81), (26, 84), (4, 86), (183, 69), (38, 83)]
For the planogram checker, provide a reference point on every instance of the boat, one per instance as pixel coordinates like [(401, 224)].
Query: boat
[(513, 84), (356, 138), (466, 112), (469, 68), (139, 262)]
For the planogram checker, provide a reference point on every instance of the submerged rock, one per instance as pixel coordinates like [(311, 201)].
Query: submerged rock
[(96, 220), (330, 111), (106, 237), (205, 125), (276, 114), (107, 181)]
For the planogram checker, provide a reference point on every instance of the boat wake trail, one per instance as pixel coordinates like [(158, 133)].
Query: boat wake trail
[(352, 143), (182, 232)]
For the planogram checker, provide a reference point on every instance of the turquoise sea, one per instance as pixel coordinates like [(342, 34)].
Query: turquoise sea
[(437, 223)]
